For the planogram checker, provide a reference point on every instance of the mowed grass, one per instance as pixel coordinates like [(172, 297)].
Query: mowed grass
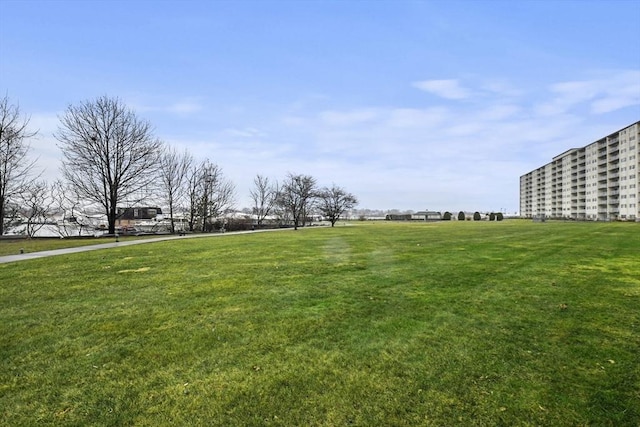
[(383, 324)]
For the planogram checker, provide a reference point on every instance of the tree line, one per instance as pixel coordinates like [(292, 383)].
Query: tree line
[(112, 159)]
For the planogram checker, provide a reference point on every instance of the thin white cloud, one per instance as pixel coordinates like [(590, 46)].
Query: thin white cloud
[(622, 91), (245, 132), (448, 89), (499, 112), (184, 107), (501, 88), (613, 103), (181, 107), (413, 117), (347, 118), (609, 92)]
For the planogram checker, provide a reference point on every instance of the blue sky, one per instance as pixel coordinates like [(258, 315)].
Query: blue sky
[(416, 105)]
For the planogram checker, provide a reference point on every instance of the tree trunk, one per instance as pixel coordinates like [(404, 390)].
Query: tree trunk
[(111, 218), (1, 216)]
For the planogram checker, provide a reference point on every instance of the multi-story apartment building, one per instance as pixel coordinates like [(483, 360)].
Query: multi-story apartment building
[(598, 182)]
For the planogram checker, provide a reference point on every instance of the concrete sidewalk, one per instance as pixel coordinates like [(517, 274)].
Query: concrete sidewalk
[(42, 254)]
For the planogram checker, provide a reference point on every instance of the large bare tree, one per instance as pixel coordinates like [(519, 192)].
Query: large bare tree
[(16, 169), (173, 175), (264, 195), (295, 197), (110, 156), (334, 201)]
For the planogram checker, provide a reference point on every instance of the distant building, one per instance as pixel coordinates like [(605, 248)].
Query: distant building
[(429, 215), (129, 216), (417, 216), (597, 182)]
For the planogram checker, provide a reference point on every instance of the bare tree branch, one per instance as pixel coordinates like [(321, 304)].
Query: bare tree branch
[(70, 207), (36, 206)]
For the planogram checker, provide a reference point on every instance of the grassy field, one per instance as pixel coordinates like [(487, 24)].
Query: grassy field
[(462, 323)]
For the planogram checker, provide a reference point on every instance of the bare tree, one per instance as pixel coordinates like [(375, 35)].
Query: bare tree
[(263, 194), (296, 195), (16, 170), (193, 195), (210, 194), (333, 202), (36, 206), (109, 155), (173, 174), (217, 194)]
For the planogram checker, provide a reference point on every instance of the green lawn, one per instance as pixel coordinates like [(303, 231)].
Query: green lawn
[(15, 246), (461, 323)]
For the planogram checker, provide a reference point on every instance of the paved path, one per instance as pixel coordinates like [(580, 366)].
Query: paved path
[(42, 254)]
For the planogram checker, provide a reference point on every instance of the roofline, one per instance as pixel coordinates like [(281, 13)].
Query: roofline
[(580, 148)]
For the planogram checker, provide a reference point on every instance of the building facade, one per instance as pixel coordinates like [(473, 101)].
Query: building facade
[(598, 182), (130, 216)]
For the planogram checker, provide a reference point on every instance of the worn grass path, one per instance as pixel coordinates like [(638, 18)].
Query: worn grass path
[(509, 323)]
